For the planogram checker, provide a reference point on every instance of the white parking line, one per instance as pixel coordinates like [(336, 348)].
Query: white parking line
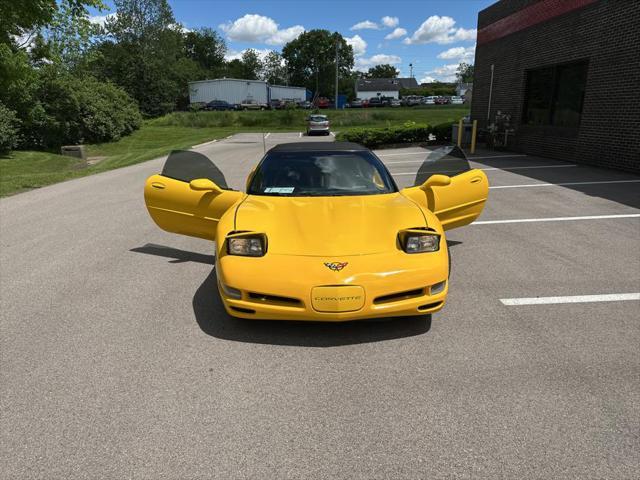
[(556, 219), (563, 184), (493, 169), (612, 297), (267, 135), (299, 134), (204, 144), (427, 151), (332, 134)]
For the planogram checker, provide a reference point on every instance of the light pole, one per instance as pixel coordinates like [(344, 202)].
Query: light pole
[(337, 70), (411, 70)]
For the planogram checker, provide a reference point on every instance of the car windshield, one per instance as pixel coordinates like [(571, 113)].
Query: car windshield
[(318, 118), (319, 174)]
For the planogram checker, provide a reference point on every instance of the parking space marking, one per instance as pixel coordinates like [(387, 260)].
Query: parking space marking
[(490, 169), (299, 134), (563, 184), (267, 135), (332, 134), (468, 158), (610, 297), (556, 219)]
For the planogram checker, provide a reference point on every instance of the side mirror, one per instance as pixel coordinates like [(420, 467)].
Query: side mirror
[(437, 181), (204, 184)]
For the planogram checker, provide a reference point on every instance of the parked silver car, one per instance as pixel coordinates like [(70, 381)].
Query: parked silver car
[(317, 124)]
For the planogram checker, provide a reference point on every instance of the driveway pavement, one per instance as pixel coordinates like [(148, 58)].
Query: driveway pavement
[(118, 361)]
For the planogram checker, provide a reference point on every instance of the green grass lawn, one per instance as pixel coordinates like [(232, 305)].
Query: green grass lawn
[(24, 170)]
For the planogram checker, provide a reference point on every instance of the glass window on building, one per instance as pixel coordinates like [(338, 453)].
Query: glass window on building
[(554, 95)]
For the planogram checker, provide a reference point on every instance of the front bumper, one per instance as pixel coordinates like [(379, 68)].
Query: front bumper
[(318, 129), (280, 287)]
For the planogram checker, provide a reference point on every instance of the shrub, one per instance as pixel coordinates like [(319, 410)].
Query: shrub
[(442, 132), (76, 110), (8, 129), (375, 137)]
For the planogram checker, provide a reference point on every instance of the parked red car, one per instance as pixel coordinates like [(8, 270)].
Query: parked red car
[(322, 102)]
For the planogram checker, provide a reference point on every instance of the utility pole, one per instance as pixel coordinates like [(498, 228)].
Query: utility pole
[(411, 70), (337, 70)]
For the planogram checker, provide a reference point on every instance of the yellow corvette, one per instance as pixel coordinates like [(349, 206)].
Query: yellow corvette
[(323, 233)]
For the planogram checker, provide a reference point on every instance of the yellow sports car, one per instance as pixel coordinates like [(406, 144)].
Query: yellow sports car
[(323, 232)]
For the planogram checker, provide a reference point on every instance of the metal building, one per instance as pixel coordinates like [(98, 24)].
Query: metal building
[(231, 90), (280, 92)]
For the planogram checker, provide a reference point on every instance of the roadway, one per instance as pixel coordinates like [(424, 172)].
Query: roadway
[(118, 361)]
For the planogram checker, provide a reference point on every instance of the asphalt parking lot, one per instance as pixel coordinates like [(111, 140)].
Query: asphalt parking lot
[(118, 361)]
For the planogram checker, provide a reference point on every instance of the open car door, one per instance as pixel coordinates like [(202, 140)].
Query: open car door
[(447, 186), (189, 196)]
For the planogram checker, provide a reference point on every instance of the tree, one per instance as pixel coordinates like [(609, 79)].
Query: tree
[(274, 70), (251, 64), (140, 53), (382, 71), (23, 18), (311, 57), (205, 47), (464, 74)]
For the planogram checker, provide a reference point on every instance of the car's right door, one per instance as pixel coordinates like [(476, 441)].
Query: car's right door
[(457, 195)]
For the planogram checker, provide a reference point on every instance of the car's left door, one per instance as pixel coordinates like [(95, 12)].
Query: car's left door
[(190, 195)]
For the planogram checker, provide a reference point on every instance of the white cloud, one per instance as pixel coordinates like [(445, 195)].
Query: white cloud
[(237, 55), (358, 44), (366, 25), (390, 22), (461, 53), (285, 36), (101, 19), (258, 28), (427, 79), (379, 59), (445, 73), (441, 30), (397, 33)]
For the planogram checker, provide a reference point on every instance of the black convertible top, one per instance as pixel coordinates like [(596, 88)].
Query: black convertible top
[(318, 147)]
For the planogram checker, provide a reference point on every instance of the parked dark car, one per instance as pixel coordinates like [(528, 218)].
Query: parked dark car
[(379, 102), (219, 105), (442, 101), (276, 104)]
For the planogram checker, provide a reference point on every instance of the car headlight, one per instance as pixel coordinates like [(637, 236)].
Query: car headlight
[(252, 245), (419, 241)]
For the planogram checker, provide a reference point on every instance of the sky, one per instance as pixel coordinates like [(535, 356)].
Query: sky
[(433, 35)]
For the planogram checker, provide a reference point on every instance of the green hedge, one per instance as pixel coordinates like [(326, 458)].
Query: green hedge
[(375, 137), (442, 132)]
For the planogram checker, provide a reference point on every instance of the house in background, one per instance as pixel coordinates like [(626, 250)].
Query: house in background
[(367, 88)]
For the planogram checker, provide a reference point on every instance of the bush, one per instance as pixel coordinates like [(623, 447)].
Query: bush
[(442, 132), (8, 129), (79, 110), (375, 137)]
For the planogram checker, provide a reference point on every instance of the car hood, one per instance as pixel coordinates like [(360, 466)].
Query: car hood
[(329, 226)]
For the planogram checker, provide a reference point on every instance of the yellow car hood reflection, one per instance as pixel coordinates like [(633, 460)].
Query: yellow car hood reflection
[(329, 226)]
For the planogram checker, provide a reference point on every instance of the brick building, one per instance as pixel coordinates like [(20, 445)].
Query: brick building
[(568, 73)]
